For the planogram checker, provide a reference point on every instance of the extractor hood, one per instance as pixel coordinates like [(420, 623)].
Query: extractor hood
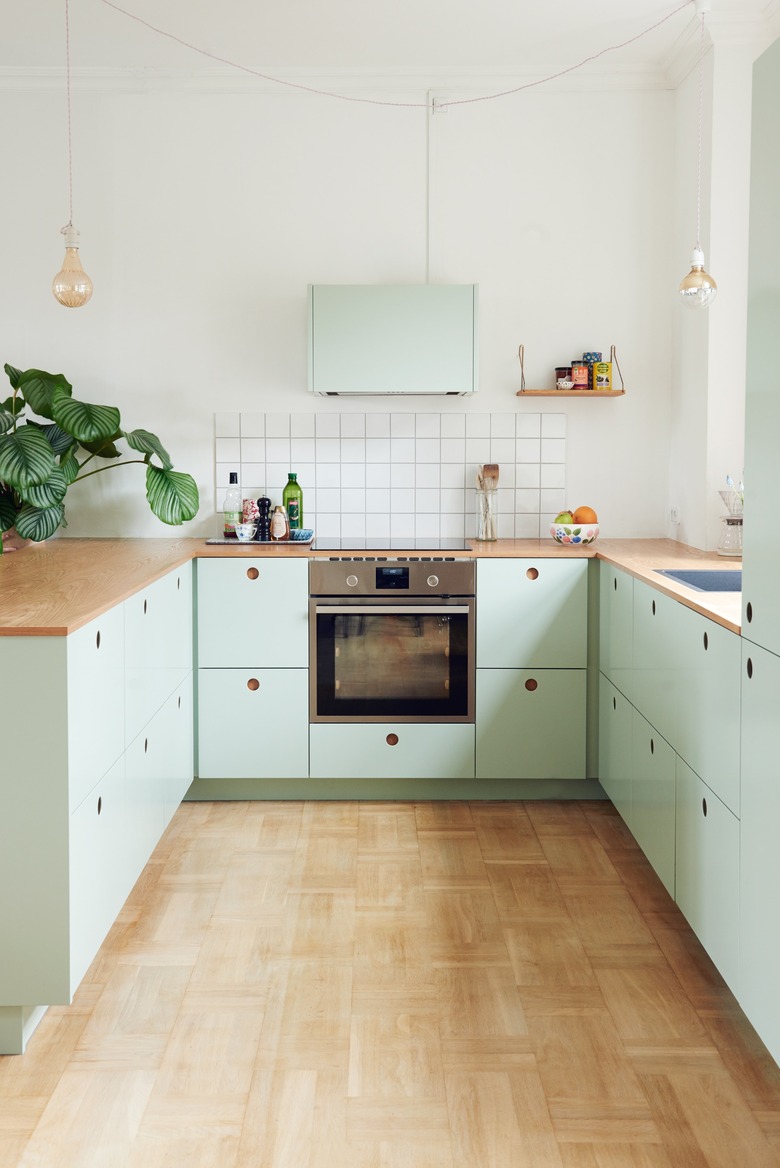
[(384, 339)]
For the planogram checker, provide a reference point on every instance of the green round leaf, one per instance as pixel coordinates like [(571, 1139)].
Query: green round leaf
[(40, 389), (148, 444), (26, 458), (14, 375), (39, 523), (70, 468), (57, 438), (172, 495), (88, 423), (47, 494), (6, 421)]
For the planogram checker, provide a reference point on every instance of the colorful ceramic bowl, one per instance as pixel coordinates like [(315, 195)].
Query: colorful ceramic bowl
[(574, 533)]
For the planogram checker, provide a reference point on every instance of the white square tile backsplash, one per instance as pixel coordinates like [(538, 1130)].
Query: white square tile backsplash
[(399, 475)]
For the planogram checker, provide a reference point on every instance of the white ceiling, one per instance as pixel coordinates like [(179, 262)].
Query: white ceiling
[(507, 36)]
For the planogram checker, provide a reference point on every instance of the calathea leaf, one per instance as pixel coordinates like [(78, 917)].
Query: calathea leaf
[(173, 496), (14, 404), (38, 523), (7, 510), (14, 375), (87, 422), (40, 388), (26, 458), (49, 493), (57, 438), (148, 444), (70, 467), (6, 420)]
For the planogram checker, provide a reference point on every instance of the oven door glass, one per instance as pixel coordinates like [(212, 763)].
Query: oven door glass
[(409, 661)]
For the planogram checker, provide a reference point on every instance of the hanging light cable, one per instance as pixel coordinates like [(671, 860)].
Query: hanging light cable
[(698, 289), (71, 286)]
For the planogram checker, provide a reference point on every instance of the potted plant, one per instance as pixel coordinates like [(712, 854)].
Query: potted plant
[(41, 457)]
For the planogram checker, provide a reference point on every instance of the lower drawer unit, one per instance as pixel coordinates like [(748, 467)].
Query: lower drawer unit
[(615, 736), (252, 723), (531, 723), (653, 798), (382, 751)]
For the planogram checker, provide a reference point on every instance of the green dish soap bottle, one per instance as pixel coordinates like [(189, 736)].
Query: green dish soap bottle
[(292, 499)]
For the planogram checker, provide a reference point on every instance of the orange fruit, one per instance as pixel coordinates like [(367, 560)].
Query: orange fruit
[(585, 515)]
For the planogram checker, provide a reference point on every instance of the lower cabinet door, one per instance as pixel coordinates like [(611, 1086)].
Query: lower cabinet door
[(98, 875), (615, 731), (252, 724), (531, 723), (408, 750), (147, 761), (707, 870), (653, 798), (177, 713)]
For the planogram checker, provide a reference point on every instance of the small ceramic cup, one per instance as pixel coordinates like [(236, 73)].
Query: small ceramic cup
[(245, 531)]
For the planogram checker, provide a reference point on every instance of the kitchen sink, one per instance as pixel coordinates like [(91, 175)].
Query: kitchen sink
[(706, 579)]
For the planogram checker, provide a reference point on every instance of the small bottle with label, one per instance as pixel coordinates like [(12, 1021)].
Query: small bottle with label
[(232, 507), (292, 498), (280, 526)]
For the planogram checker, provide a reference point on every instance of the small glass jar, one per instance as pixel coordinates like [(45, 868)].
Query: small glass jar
[(487, 514), (731, 536)]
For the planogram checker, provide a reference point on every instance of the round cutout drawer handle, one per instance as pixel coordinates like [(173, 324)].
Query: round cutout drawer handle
[(704, 808), (97, 639), (253, 684), (532, 684), (706, 642), (532, 574), (750, 667), (99, 804), (392, 740), (252, 573)]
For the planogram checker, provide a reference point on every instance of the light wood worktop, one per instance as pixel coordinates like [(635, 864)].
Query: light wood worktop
[(52, 589)]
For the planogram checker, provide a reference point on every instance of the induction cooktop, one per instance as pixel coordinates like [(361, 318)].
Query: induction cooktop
[(345, 544)]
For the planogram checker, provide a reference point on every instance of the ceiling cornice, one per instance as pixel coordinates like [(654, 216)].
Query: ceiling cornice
[(739, 23)]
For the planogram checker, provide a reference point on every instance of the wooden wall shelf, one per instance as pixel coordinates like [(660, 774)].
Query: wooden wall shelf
[(523, 392)]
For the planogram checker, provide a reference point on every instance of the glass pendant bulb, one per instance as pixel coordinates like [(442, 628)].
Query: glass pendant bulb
[(71, 286), (698, 289)]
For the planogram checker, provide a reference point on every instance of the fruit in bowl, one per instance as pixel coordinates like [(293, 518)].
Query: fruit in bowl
[(580, 526)]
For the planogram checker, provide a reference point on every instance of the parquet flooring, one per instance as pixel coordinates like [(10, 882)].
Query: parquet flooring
[(373, 985)]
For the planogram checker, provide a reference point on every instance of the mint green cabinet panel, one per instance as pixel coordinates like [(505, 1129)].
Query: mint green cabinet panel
[(616, 626), (386, 751), (653, 799), (158, 638), (532, 614), (253, 723), (686, 683), (531, 723), (397, 338), (95, 701), (146, 760), (759, 975), (179, 732), (615, 746), (253, 613), (98, 878), (706, 730), (761, 568), (707, 870)]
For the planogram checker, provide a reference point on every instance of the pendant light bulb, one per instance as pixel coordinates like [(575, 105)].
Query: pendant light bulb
[(71, 286), (698, 289)]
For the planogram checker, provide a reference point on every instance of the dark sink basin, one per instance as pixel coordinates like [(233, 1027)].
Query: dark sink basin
[(706, 579)]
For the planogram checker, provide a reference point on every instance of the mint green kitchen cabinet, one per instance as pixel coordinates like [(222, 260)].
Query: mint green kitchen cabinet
[(389, 751), (653, 798), (532, 614), (158, 638), (253, 613), (707, 870), (759, 971), (252, 723), (615, 746), (531, 723), (686, 683), (616, 626), (761, 567), (85, 809)]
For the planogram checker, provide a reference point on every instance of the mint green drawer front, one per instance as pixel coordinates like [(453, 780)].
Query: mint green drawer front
[(387, 751), (616, 626), (95, 701), (616, 716), (253, 613), (252, 723), (531, 723), (653, 799), (532, 614), (158, 646)]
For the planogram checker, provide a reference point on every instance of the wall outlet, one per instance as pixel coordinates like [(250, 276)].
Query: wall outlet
[(674, 514)]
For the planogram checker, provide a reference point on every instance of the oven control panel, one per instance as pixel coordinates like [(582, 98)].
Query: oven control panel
[(380, 576)]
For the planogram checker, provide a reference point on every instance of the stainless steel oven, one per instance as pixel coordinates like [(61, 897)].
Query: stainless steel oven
[(391, 638)]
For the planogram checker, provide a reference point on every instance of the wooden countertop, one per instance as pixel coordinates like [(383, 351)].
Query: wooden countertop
[(54, 588)]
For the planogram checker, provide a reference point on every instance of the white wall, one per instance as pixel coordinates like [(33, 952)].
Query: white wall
[(204, 214)]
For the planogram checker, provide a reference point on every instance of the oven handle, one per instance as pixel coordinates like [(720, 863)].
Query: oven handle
[(392, 609)]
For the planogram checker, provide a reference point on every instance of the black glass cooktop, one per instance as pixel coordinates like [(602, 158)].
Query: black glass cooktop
[(323, 543)]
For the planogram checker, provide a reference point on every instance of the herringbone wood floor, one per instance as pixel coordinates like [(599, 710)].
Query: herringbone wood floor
[(362, 985)]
